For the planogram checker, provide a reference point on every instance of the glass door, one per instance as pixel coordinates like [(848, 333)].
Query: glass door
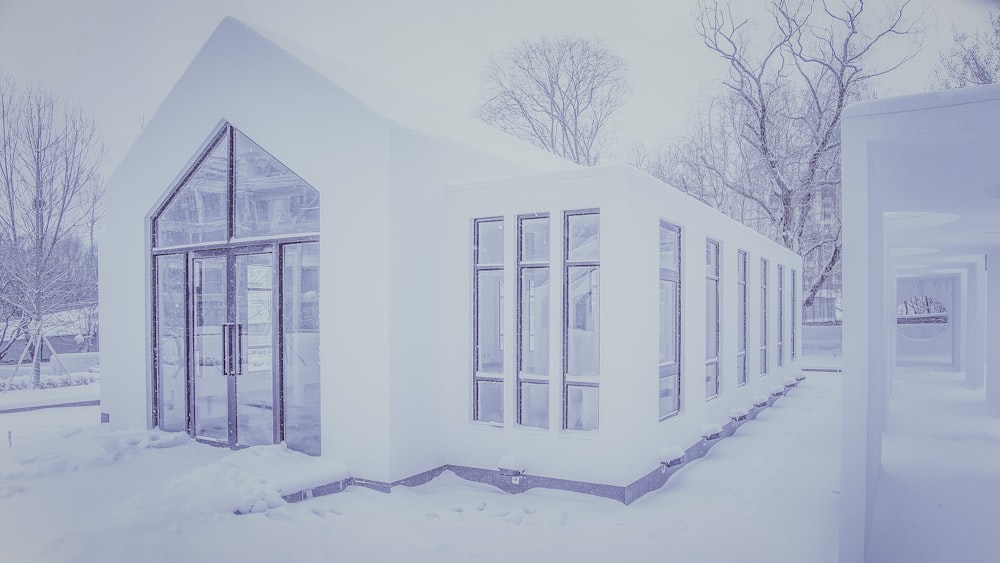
[(233, 335), (254, 402), (210, 370)]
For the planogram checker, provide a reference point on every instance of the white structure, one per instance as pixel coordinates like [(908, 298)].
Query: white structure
[(293, 254), (921, 210)]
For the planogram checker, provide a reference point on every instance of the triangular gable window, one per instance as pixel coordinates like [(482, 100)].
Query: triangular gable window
[(236, 191)]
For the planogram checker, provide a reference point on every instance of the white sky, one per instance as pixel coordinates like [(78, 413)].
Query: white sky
[(119, 58)]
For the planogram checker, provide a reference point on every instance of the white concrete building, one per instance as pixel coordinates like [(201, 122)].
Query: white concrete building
[(295, 254), (921, 223)]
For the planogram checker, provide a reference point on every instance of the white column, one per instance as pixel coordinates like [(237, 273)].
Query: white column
[(992, 353), (975, 342)]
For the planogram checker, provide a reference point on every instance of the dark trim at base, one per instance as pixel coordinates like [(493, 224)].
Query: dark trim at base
[(91, 403), (518, 483)]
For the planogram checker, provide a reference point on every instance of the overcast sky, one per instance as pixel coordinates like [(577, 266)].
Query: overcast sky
[(119, 58)]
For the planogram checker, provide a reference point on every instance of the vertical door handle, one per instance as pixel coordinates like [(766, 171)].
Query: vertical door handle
[(238, 349), (225, 349)]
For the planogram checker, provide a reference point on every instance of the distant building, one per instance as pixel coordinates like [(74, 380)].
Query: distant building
[(296, 254)]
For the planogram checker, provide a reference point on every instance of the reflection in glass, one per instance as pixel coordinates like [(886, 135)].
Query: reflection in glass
[(741, 321), (300, 284), (781, 316), (489, 242), (534, 321), (254, 382), (581, 407), (171, 350), (489, 397), (763, 316), (199, 211), (669, 394), (534, 401), (711, 380), (489, 321), (583, 310), (712, 319), (583, 237), (270, 199), (534, 244), (668, 322), (669, 247), (211, 393)]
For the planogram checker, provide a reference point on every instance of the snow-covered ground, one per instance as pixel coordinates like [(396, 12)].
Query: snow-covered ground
[(73, 491), (939, 493)]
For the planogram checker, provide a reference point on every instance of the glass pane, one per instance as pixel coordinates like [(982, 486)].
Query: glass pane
[(741, 368), (669, 248), (583, 331), (300, 315), (489, 401), (584, 237), (534, 402), (712, 258), (711, 380), (270, 199), (581, 407), (741, 321), (534, 321), (669, 395), (489, 321), (489, 242), (199, 210), (534, 239), (712, 319), (255, 375), (668, 322), (171, 350), (211, 391)]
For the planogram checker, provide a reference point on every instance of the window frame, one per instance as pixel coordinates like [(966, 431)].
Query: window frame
[(764, 269), (522, 265), (794, 309), (667, 370), (569, 380), (780, 361), (742, 260), (477, 268), (716, 277)]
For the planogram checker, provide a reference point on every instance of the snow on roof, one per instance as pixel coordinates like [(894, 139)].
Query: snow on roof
[(406, 110), (925, 100)]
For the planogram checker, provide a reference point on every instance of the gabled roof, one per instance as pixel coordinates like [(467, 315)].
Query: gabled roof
[(402, 110)]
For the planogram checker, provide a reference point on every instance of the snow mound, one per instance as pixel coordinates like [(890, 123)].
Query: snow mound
[(670, 453), (250, 480)]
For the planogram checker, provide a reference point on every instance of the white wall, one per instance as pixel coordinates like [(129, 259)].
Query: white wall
[(630, 438)]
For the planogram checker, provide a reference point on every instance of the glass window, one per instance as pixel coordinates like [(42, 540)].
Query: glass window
[(270, 199), (581, 314), (795, 310), (488, 321), (741, 322), (763, 316), (533, 326), (171, 350), (712, 325), (670, 319), (300, 330), (198, 211), (781, 315)]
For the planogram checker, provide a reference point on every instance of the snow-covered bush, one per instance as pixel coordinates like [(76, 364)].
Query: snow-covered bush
[(48, 381)]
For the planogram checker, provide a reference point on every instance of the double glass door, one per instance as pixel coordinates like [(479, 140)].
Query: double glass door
[(234, 298)]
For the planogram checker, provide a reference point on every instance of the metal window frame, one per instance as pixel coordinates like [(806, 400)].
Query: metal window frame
[(780, 361), (673, 275), (274, 245), (715, 276), (764, 269), (476, 269), (523, 265), (795, 304), (741, 344), (569, 380)]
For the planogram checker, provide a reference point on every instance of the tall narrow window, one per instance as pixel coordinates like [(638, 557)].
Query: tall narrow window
[(781, 315), (533, 320), (170, 324), (670, 319), (487, 313), (763, 316), (581, 319), (795, 310), (741, 321), (712, 319)]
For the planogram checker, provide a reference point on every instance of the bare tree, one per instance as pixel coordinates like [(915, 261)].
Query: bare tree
[(767, 149), (50, 187), (973, 59), (558, 94)]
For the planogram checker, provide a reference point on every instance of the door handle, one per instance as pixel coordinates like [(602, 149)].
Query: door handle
[(228, 353), (238, 349)]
